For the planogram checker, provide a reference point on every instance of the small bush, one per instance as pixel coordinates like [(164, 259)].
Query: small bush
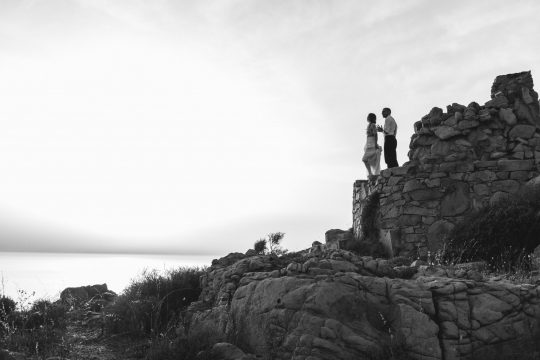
[(369, 243), (260, 246), (44, 313), (152, 304), (36, 330), (270, 245), (7, 305), (503, 234), (185, 348)]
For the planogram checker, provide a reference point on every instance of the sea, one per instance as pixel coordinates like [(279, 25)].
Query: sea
[(27, 277)]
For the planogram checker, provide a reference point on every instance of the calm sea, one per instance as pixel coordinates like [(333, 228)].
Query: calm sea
[(47, 274)]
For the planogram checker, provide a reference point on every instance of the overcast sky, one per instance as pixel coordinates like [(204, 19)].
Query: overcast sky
[(197, 127)]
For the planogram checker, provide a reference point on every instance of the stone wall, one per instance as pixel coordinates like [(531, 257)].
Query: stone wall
[(460, 160)]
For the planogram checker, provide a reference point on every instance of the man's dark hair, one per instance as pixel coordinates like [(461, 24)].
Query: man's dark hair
[(387, 109), (372, 117)]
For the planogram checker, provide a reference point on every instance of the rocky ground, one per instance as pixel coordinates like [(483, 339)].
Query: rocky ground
[(330, 304), (85, 341), (333, 304)]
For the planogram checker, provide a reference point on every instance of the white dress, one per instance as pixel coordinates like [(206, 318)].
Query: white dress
[(372, 152)]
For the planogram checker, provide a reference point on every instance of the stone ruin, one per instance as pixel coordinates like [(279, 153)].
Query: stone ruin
[(460, 160)]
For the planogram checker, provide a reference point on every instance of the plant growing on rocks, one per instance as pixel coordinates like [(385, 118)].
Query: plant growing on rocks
[(271, 244), (33, 328), (260, 246), (369, 243), (151, 305), (503, 234)]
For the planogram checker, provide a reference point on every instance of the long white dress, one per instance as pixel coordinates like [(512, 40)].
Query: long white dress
[(372, 152)]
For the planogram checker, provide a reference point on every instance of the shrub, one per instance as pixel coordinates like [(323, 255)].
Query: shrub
[(369, 243), (153, 303), (187, 347), (503, 234), (7, 305), (44, 313), (270, 245), (36, 330), (260, 246)]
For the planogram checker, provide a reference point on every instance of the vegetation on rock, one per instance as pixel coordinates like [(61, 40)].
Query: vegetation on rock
[(35, 329), (503, 234), (270, 245), (369, 243), (152, 304)]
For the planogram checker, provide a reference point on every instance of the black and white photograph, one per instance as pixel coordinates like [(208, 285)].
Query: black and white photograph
[(269, 180)]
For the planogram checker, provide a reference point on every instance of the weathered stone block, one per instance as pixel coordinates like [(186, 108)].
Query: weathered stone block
[(481, 189), (508, 116), (498, 197), (440, 148), (423, 140), (433, 183), (437, 233), (509, 186), (522, 131), (409, 220), (524, 112), (498, 102), (467, 124), (414, 238), (456, 201), (437, 175), (497, 155), (400, 170), (484, 115), (386, 173), (456, 176), (515, 165), (417, 210), (425, 194), (482, 176), (519, 175), (411, 185), (484, 164), (393, 180), (446, 132)]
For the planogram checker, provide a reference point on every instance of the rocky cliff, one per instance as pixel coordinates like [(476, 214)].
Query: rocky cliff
[(333, 304)]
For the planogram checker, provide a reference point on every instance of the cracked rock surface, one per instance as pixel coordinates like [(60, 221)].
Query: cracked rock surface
[(337, 305)]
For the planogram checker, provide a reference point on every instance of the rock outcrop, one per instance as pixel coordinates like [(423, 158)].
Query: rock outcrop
[(337, 305), (78, 295), (461, 159)]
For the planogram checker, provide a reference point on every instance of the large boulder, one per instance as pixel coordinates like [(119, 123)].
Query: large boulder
[(340, 306), (78, 295), (336, 238)]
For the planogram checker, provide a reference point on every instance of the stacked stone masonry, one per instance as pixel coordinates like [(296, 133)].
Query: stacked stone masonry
[(460, 161)]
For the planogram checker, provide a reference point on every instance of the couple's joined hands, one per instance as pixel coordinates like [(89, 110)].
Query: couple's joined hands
[(380, 128)]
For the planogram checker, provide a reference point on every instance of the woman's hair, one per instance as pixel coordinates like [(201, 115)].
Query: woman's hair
[(372, 117)]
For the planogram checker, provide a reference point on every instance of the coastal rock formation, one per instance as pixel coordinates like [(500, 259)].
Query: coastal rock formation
[(77, 295), (461, 159), (338, 305)]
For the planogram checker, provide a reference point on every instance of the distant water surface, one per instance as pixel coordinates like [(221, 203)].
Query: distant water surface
[(47, 274)]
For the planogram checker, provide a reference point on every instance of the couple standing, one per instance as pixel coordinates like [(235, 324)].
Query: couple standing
[(372, 151)]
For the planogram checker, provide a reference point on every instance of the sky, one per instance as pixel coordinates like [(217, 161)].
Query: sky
[(198, 127)]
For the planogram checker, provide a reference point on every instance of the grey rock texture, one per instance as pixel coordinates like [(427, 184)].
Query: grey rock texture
[(338, 305)]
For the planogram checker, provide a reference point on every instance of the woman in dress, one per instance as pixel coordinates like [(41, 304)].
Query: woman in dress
[(372, 151)]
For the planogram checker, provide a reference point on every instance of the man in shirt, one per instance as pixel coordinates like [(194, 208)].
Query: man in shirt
[(390, 142)]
